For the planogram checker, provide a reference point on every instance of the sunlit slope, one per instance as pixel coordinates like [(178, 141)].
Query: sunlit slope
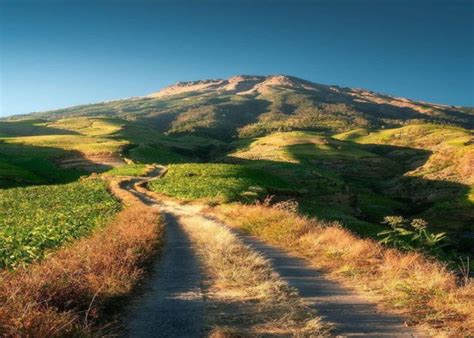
[(40, 147), (331, 179), (34, 151), (446, 171)]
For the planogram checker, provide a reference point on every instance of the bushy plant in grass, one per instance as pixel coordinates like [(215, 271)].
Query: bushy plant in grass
[(412, 235)]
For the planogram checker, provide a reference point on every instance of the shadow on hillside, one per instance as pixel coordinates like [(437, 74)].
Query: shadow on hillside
[(23, 165), (361, 191), (30, 128)]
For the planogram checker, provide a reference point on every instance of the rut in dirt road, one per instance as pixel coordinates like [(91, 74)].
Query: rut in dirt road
[(172, 303)]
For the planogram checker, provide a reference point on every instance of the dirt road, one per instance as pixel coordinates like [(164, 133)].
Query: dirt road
[(173, 305)]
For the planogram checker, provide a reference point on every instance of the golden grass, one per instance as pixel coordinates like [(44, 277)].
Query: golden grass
[(255, 299), (84, 144), (409, 283), (66, 293), (124, 196)]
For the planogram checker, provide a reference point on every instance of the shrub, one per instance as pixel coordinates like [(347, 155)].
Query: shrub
[(412, 235)]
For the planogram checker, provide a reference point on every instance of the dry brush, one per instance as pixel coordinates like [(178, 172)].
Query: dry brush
[(407, 282), (244, 285)]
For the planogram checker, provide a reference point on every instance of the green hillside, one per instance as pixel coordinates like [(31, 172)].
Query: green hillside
[(343, 154)]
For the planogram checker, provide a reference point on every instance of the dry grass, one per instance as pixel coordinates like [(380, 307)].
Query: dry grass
[(67, 293), (251, 298), (116, 185), (408, 283)]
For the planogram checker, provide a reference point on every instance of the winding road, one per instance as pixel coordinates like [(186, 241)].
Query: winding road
[(172, 303)]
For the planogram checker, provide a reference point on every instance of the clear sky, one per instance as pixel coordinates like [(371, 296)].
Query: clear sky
[(55, 54)]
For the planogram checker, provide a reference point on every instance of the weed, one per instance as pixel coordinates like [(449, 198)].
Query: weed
[(412, 235)]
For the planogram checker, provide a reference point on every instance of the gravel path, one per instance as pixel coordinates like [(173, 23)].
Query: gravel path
[(171, 304)]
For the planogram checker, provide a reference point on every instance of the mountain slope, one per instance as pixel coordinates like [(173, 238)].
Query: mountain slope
[(256, 105)]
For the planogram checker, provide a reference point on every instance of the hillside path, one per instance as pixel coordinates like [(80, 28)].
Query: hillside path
[(351, 314), (171, 304)]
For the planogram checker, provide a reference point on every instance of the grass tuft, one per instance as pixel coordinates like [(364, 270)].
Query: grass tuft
[(244, 281)]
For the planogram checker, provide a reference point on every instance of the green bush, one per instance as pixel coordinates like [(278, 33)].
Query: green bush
[(412, 235)]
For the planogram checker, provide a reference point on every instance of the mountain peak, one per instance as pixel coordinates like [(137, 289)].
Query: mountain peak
[(238, 84)]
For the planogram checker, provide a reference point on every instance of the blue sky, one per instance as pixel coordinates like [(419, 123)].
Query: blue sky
[(55, 54)]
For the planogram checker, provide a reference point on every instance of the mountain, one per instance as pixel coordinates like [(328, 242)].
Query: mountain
[(249, 106), (350, 155)]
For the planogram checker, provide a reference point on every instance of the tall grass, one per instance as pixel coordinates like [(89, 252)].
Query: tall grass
[(66, 294), (409, 283)]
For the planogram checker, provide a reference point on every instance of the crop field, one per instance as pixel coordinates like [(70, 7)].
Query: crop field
[(34, 220), (216, 182)]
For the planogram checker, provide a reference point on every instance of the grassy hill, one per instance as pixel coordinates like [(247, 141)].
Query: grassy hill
[(344, 154), (360, 182)]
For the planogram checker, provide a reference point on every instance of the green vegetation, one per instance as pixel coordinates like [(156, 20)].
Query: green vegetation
[(412, 234), (11, 174), (37, 219), (349, 155), (155, 154), (31, 169), (129, 170), (216, 182), (360, 183), (284, 106)]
